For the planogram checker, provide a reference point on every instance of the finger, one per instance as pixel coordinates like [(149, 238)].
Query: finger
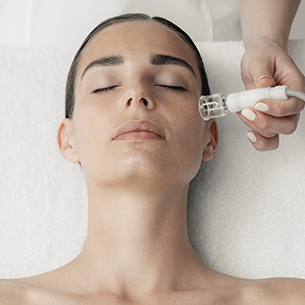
[(258, 74), (250, 122), (280, 108), (261, 143), (264, 81), (268, 125)]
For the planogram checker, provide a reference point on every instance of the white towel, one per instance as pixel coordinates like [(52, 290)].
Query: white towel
[(246, 209)]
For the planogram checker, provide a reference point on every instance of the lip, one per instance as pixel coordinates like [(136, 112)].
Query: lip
[(139, 130)]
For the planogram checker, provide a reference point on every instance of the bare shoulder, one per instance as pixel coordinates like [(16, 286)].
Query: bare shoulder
[(18, 292), (273, 291), (228, 290), (12, 293)]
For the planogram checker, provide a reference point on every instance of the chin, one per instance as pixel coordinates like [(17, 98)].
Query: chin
[(141, 169), (152, 175), (136, 167)]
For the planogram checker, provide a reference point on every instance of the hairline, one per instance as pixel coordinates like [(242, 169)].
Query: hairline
[(70, 91)]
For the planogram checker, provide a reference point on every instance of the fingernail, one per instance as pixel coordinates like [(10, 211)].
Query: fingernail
[(249, 114), (252, 137), (264, 76), (261, 107)]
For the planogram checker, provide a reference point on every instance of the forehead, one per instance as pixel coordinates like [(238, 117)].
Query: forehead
[(136, 41)]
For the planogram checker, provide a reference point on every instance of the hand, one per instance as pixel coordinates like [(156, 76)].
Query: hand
[(265, 63)]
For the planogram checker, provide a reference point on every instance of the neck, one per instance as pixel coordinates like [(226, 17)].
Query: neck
[(137, 241)]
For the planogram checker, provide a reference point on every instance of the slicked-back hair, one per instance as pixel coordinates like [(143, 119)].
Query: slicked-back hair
[(70, 95)]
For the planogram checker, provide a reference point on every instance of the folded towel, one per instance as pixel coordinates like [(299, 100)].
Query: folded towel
[(246, 209)]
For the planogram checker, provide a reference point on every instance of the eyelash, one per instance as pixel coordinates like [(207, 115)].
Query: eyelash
[(177, 88), (103, 89)]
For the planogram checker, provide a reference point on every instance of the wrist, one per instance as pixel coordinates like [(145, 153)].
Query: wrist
[(264, 41)]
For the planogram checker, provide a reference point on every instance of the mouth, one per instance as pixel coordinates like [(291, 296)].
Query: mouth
[(139, 130)]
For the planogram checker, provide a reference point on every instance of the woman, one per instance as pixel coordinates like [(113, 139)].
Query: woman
[(264, 26), (132, 123)]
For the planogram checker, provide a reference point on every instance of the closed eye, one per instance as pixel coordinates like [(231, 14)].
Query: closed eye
[(96, 91), (177, 88)]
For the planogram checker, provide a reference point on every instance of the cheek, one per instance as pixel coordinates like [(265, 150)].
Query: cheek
[(193, 139), (92, 144), (91, 126), (189, 123), (190, 139)]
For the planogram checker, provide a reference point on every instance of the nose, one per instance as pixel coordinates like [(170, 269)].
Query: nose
[(137, 95)]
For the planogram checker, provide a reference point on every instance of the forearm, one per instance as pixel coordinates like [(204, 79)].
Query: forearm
[(267, 19)]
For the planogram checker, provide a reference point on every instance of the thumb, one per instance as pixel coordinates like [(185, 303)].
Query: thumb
[(265, 80), (257, 71)]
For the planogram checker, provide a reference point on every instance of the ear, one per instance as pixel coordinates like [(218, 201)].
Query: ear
[(212, 144), (66, 141)]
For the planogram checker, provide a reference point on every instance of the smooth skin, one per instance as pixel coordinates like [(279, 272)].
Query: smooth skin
[(265, 28), (137, 250)]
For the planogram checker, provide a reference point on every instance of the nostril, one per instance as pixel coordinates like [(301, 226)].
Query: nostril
[(144, 102)]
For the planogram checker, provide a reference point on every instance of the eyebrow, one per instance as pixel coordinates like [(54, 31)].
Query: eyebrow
[(156, 59), (160, 59), (104, 62)]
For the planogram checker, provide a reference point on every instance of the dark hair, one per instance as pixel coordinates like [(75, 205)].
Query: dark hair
[(70, 98)]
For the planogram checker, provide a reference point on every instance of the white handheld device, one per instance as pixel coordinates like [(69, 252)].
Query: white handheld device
[(219, 105)]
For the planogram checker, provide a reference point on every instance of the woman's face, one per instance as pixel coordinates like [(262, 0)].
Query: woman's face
[(136, 117)]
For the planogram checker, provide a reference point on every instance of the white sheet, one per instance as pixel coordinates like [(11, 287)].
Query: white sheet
[(56, 23), (246, 215)]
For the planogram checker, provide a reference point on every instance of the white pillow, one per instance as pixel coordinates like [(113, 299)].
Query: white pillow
[(203, 19)]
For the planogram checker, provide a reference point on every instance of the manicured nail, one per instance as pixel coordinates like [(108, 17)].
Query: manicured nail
[(249, 114), (261, 107), (252, 137)]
